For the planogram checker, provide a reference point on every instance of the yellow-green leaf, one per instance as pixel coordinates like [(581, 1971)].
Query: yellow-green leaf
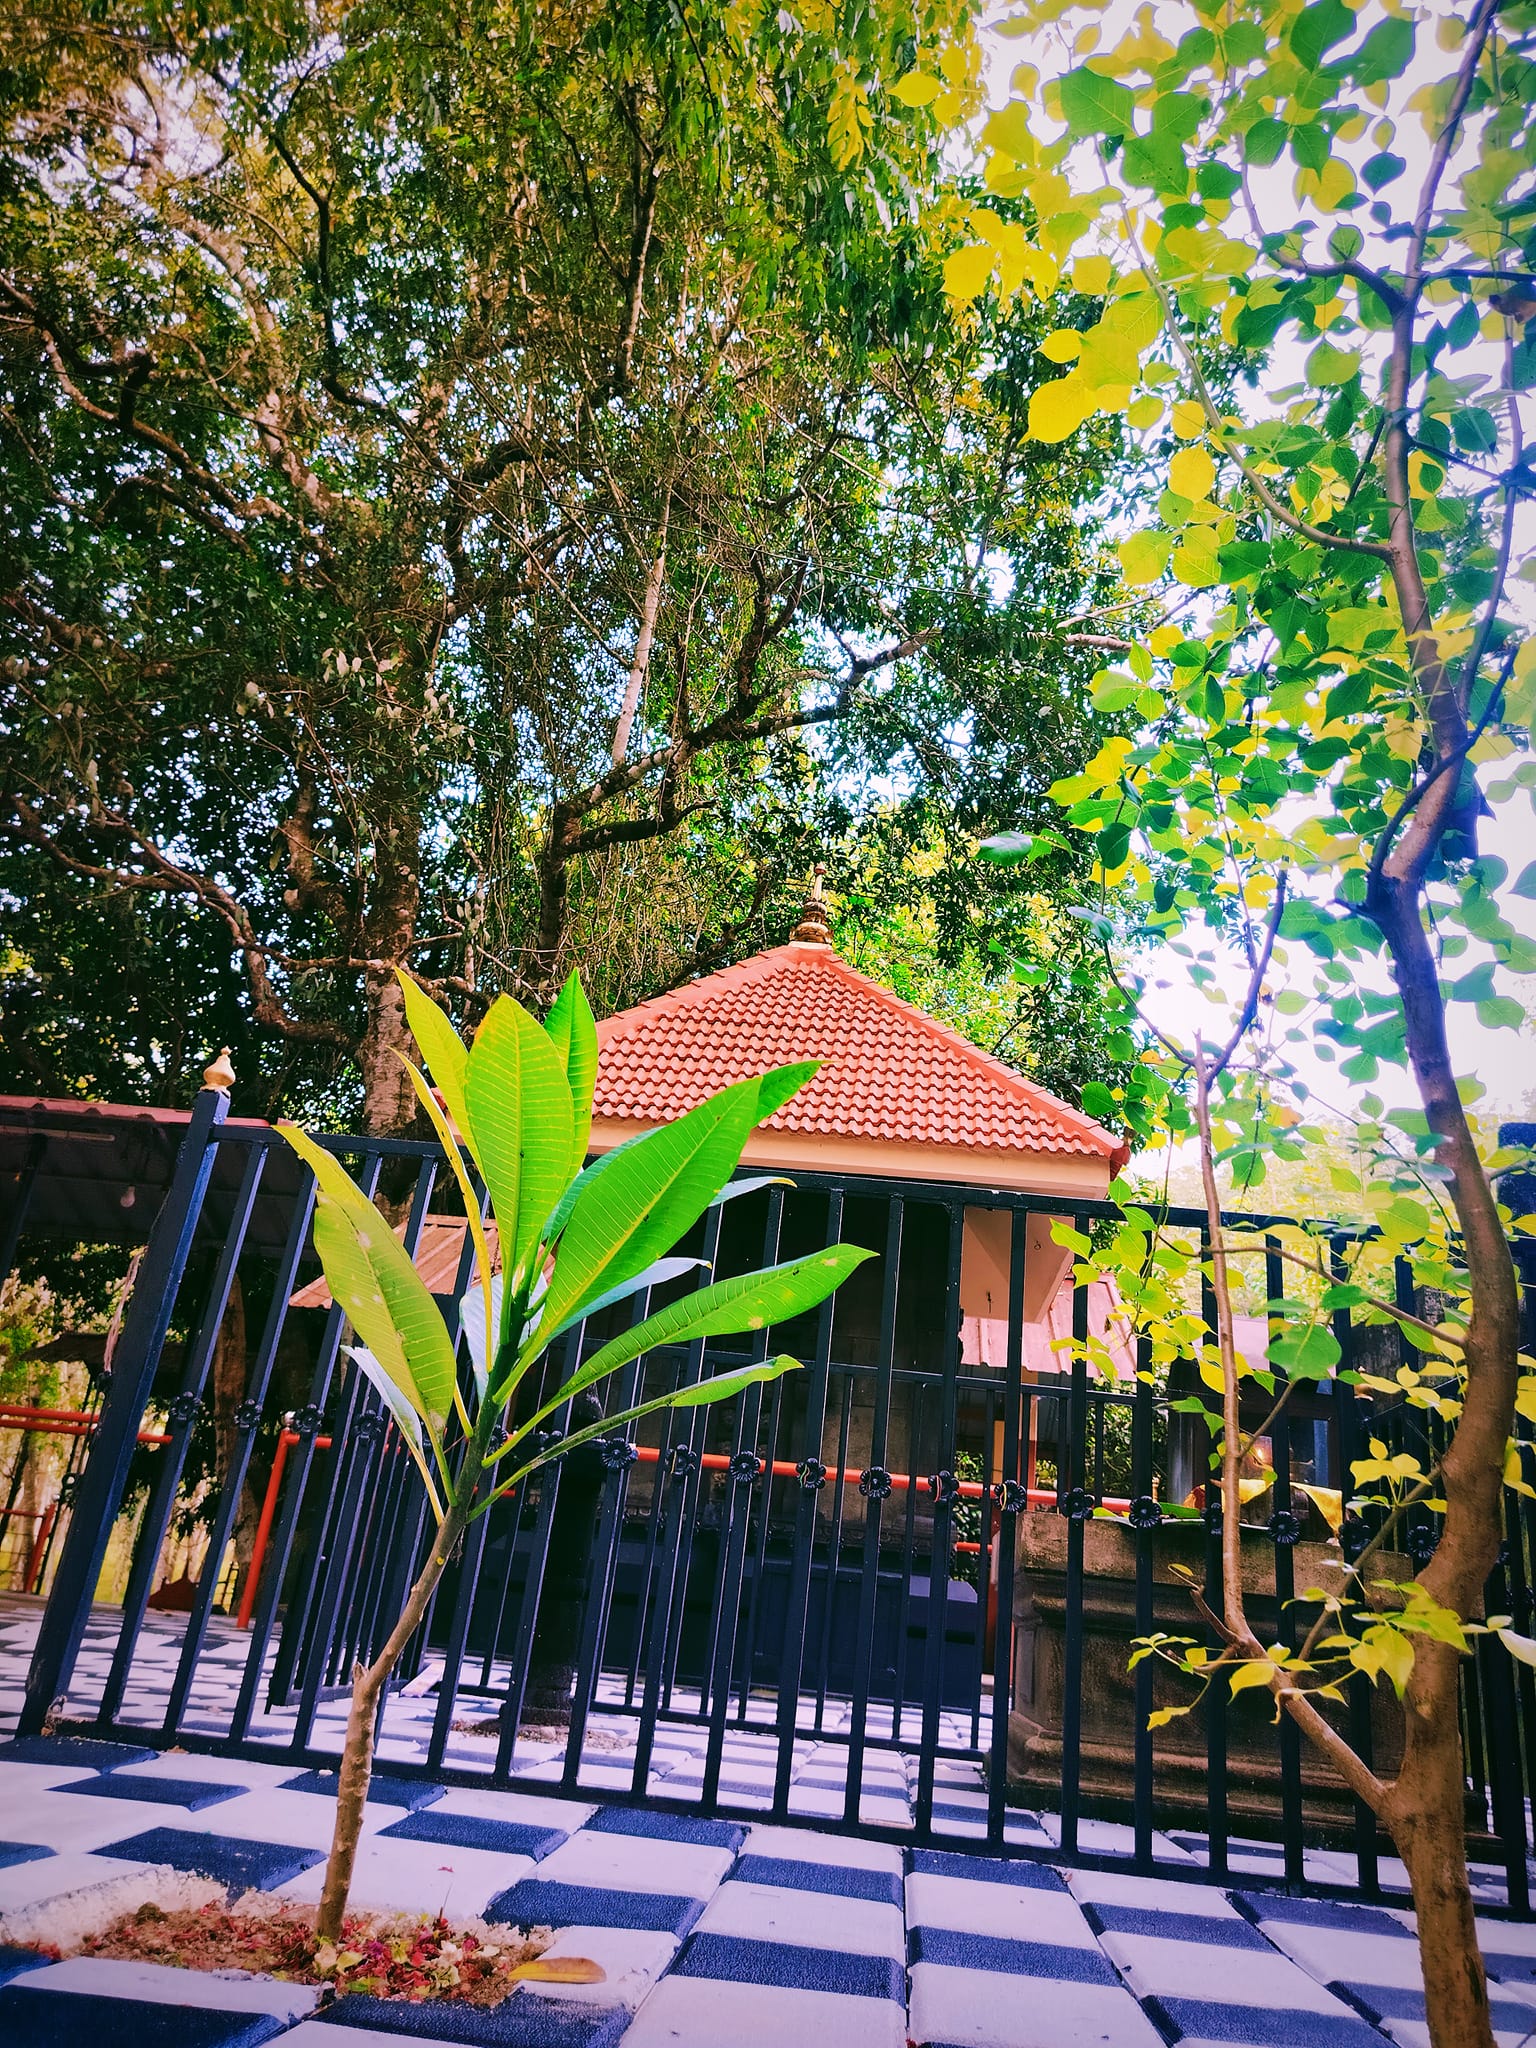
[(1161, 1716), (1144, 556), (445, 1054), (917, 89), (371, 1275), (1195, 562), (1192, 474), (574, 1035), (1327, 365), (1059, 409), (1247, 1676), (520, 1107), (1328, 1501), (560, 1970), (1092, 275), (1188, 419), (1065, 345), (967, 270)]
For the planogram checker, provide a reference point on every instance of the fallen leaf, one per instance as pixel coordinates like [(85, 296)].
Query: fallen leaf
[(560, 1970)]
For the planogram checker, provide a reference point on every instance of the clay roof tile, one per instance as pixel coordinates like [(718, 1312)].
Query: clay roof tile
[(888, 1071)]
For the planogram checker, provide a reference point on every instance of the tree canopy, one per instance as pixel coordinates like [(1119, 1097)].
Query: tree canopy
[(488, 492)]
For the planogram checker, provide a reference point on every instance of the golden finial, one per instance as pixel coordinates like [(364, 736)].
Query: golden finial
[(813, 929), (219, 1073)]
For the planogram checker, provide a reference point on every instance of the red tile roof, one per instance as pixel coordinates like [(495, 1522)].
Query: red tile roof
[(888, 1071)]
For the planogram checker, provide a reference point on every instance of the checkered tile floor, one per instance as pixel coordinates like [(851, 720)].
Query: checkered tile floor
[(712, 1933), (887, 1784), (709, 1932)]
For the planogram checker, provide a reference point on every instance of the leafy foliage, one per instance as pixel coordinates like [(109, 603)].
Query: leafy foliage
[(459, 487), (1341, 663), (572, 1238)]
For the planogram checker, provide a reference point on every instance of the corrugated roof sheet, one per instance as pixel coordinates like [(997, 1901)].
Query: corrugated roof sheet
[(888, 1071)]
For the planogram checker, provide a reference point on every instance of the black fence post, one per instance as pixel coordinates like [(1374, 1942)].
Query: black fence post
[(133, 1371)]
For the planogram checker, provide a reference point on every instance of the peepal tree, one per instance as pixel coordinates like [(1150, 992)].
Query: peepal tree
[(1340, 203), (514, 1115)]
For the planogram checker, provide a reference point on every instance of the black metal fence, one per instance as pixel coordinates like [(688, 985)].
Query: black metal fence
[(901, 1554)]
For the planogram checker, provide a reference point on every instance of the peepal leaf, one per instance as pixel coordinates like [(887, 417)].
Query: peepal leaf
[(1094, 105), (1309, 1354)]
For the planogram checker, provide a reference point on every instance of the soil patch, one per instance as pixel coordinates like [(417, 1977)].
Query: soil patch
[(389, 1955), (594, 1739)]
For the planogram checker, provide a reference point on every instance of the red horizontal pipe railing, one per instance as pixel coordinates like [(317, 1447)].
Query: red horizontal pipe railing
[(61, 1422), (969, 1489), (647, 1454)]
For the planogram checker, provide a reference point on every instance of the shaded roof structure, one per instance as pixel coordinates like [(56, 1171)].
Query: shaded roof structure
[(897, 1094)]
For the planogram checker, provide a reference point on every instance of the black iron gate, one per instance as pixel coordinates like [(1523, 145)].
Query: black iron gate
[(892, 1592)]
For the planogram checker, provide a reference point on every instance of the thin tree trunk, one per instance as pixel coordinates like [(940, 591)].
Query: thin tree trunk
[(389, 1101), (649, 608), (367, 1690), (228, 1374), (1427, 1823)]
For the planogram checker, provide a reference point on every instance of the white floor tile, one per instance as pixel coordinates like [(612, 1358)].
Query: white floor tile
[(766, 1912), (1012, 1912), (698, 2012), (809, 1845), (637, 1863), (630, 1960), (417, 1877), (161, 1984), (986, 2009)]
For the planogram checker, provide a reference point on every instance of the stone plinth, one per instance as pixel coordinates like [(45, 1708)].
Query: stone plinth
[(1180, 1771)]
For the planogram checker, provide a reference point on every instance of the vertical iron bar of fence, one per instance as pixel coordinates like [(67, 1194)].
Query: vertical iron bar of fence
[(935, 1659), (682, 1477), (21, 1203), (275, 1565), (619, 1458), (533, 1576), (744, 1476), (812, 1479), (355, 1469), (1504, 1745), (404, 1547), (834, 1554), (1346, 1440), (533, 1584), (872, 1480), (1284, 1529), (1144, 1521), (1011, 1502), (173, 1456), (917, 1402), (739, 1519), (354, 1456), (1077, 1504), (1216, 1695), (655, 1519), (746, 1647), (100, 1491), (671, 1588), (1520, 1522), (985, 1532)]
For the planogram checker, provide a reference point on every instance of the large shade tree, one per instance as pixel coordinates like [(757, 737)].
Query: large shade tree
[(467, 479)]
